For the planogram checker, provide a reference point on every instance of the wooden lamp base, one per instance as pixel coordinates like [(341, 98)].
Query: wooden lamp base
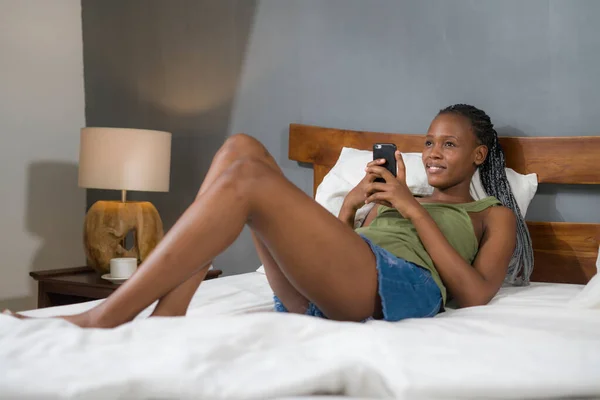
[(107, 223)]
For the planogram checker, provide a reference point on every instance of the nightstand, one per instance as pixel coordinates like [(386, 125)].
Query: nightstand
[(60, 287)]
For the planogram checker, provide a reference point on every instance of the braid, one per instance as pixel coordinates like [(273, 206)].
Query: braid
[(495, 183)]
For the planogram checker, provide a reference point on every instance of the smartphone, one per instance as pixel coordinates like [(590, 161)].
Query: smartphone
[(386, 151)]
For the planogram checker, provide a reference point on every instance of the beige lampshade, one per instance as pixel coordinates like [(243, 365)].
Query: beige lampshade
[(125, 159)]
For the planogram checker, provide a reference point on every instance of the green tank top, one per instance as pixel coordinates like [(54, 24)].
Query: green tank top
[(391, 231)]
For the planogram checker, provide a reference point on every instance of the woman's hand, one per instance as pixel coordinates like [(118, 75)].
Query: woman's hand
[(394, 192), (355, 199)]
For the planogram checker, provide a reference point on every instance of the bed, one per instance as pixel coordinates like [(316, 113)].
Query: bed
[(540, 341)]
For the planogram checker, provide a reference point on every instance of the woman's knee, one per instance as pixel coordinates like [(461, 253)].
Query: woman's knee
[(241, 146), (249, 173)]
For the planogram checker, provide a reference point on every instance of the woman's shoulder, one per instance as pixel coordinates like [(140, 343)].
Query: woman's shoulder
[(500, 217)]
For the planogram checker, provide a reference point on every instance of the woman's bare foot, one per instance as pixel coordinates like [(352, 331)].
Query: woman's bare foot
[(14, 314), (82, 320)]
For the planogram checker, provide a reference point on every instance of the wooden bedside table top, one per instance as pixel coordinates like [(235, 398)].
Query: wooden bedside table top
[(87, 276)]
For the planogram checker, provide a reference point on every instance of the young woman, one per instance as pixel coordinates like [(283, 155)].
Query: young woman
[(409, 256)]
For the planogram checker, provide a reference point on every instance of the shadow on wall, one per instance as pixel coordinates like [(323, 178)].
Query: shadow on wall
[(55, 213), (154, 65)]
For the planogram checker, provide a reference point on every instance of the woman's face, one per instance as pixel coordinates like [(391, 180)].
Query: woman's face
[(452, 152)]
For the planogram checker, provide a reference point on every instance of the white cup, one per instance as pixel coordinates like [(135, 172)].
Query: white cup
[(122, 267)]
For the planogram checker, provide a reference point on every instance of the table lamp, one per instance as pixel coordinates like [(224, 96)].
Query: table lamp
[(122, 159)]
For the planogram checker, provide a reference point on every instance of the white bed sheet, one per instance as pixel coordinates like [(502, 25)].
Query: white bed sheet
[(525, 344)]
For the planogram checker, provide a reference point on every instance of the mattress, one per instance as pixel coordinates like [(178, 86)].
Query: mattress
[(529, 342)]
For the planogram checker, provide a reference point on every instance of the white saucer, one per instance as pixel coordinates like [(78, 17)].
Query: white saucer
[(113, 280)]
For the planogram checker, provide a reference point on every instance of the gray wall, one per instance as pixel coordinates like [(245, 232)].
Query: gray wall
[(41, 112), (206, 69)]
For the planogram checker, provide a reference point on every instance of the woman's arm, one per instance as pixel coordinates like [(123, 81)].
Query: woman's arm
[(470, 285), (355, 199), (347, 215), (477, 284)]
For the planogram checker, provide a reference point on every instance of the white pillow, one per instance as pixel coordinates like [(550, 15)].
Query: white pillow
[(589, 297), (522, 186), (350, 169)]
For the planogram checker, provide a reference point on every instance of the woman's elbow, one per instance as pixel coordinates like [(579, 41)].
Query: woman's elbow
[(473, 303), (476, 299)]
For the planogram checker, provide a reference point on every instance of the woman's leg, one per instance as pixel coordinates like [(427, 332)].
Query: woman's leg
[(324, 259), (291, 298), (176, 302)]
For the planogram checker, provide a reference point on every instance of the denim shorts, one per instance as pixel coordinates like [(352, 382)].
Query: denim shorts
[(406, 289)]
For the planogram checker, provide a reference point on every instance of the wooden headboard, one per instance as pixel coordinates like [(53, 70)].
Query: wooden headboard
[(564, 252)]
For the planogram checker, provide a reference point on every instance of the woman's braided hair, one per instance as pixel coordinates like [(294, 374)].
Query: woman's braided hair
[(495, 183)]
